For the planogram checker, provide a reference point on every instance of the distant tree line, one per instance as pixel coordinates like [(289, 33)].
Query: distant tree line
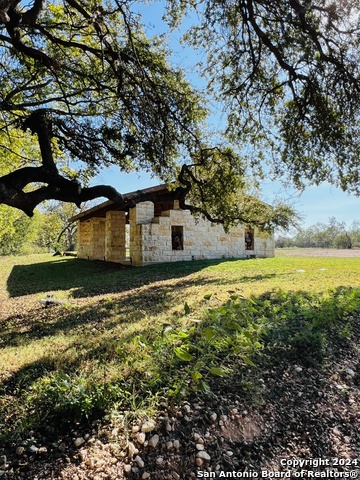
[(49, 230), (333, 234)]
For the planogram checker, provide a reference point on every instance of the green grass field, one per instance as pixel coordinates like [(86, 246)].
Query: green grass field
[(125, 339)]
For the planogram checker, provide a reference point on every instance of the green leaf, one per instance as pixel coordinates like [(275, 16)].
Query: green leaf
[(183, 354), (248, 361), (220, 372), (209, 333), (248, 334), (207, 296), (182, 334), (196, 376), (187, 309), (203, 386)]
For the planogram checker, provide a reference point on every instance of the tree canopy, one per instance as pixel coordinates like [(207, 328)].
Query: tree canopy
[(87, 89), (288, 74)]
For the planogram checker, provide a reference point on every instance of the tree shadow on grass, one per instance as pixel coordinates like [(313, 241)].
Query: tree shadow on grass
[(98, 315), (89, 278), (127, 306)]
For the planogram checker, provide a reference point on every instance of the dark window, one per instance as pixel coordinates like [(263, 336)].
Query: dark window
[(249, 239), (177, 238)]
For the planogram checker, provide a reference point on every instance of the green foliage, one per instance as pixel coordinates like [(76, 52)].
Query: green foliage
[(224, 341), (15, 148), (112, 94), (221, 189), (223, 338), (20, 237), (288, 75), (334, 234), (301, 324), (69, 396), (48, 230)]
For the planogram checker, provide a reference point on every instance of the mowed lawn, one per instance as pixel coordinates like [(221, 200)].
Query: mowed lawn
[(109, 328)]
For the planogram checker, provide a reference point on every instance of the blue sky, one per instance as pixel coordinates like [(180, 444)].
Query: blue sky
[(315, 204)]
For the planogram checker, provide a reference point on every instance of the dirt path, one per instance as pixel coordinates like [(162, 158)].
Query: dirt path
[(317, 252)]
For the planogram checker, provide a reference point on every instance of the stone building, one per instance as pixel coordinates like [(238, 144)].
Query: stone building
[(160, 231)]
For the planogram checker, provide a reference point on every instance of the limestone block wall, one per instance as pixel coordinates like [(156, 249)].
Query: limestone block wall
[(83, 241), (140, 215), (201, 239), (97, 238), (115, 245), (264, 246), (143, 212)]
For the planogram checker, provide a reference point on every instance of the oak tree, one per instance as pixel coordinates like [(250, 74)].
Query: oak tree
[(288, 73)]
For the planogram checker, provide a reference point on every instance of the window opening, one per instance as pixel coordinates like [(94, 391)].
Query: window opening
[(177, 238), (249, 239)]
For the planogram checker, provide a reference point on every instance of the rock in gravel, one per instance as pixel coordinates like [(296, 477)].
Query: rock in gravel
[(203, 455), (199, 446), (90, 462), (154, 440), (20, 451), (139, 461), (33, 449), (176, 444), (127, 469), (132, 450), (2, 459), (62, 447), (148, 426), (145, 476), (79, 441), (213, 417), (141, 437), (199, 462)]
